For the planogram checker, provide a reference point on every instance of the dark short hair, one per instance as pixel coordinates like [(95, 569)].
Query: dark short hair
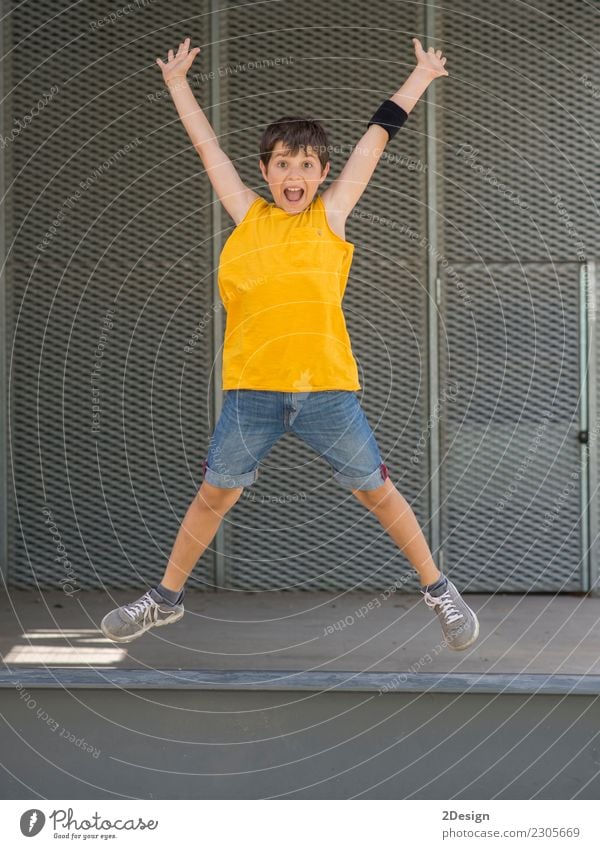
[(295, 132)]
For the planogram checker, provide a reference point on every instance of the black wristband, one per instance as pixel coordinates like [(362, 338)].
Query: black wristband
[(390, 116)]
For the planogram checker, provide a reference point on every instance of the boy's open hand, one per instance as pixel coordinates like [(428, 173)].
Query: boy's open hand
[(432, 61), (178, 66)]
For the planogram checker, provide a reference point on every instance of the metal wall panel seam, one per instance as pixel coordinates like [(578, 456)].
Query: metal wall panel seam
[(432, 305), (3, 340), (590, 494), (583, 428), (216, 224)]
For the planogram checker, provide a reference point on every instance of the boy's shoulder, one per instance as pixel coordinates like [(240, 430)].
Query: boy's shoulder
[(257, 205)]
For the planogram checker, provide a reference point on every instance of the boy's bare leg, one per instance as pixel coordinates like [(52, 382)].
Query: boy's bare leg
[(397, 517), (200, 524)]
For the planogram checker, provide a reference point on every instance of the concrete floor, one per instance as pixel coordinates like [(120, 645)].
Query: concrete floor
[(305, 632)]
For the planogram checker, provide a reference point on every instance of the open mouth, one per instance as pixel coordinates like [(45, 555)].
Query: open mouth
[(294, 195)]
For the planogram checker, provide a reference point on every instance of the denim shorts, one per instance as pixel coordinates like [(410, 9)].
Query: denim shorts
[(331, 422)]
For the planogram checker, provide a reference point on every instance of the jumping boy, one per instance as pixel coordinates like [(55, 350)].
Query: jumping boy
[(287, 358)]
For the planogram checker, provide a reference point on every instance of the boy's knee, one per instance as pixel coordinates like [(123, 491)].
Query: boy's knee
[(377, 498), (217, 498)]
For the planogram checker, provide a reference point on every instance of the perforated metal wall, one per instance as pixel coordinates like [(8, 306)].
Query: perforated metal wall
[(511, 464), (136, 240), (519, 191), (295, 528)]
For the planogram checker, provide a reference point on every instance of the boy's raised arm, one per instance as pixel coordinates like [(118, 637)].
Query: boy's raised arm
[(235, 196), (343, 194)]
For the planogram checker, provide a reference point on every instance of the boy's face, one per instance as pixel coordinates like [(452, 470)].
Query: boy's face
[(293, 180)]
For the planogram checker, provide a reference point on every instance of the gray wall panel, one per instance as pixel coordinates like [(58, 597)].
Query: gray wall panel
[(517, 112), (510, 501), (136, 240), (333, 71), (518, 130)]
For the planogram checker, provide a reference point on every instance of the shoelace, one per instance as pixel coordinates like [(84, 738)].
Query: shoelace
[(449, 610), (145, 605)]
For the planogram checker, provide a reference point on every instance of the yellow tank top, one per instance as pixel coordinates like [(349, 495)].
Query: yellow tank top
[(282, 278)]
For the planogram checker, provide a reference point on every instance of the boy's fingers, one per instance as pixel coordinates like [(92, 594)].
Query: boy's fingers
[(170, 56), (160, 62)]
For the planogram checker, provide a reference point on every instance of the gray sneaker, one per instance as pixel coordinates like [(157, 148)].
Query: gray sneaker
[(459, 623), (132, 620)]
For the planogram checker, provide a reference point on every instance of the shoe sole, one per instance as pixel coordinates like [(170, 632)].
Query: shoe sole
[(139, 633)]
